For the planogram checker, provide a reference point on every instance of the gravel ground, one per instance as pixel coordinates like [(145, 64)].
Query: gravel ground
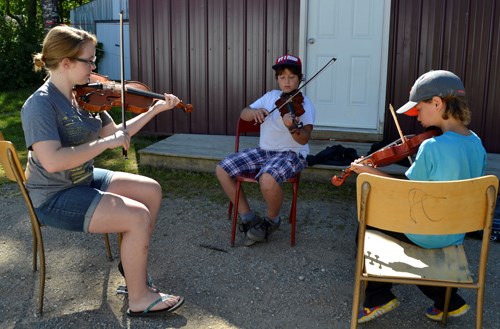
[(268, 285)]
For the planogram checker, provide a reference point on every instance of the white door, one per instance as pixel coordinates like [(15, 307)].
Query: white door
[(109, 34), (350, 94)]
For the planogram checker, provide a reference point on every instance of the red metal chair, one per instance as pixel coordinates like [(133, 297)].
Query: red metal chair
[(250, 127)]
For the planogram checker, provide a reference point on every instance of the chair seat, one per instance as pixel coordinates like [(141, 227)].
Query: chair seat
[(248, 177), (389, 257)]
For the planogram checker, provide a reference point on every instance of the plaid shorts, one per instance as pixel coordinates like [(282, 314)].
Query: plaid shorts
[(279, 164)]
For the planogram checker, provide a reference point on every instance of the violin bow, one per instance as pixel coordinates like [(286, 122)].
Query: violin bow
[(333, 59), (122, 78), (403, 138)]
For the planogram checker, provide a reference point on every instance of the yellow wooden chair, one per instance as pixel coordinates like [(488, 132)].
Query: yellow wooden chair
[(9, 160), (448, 207)]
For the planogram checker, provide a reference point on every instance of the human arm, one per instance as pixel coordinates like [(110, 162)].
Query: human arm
[(54, 157), (359, 166), (301, 134), (256, 115), (135, 124)]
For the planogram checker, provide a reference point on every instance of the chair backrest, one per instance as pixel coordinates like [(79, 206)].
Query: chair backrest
[(242, 128), (444, 207), (9, 160)]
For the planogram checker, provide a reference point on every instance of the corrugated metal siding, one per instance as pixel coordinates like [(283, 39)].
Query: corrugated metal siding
[(458, 35), (86, 15), (214, 54)]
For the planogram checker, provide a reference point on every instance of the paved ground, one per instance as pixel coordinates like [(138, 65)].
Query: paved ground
[(269, 285)]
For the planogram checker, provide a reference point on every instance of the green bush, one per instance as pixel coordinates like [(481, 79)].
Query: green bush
[(16, 51)]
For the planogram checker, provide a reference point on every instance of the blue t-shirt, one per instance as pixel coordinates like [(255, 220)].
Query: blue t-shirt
[(450, 156)]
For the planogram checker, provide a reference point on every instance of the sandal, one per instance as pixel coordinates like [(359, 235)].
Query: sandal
[(148, 313)]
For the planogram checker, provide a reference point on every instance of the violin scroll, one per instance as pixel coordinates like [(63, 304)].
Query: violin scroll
[(188, 108), (340, 180)]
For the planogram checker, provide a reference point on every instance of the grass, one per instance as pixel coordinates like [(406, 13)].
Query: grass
[(175, 183)]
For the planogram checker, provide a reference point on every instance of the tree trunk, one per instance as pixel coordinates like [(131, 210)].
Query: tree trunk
[(31, 26), (49, 14)]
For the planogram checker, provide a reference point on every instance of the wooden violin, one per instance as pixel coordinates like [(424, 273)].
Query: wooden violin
[(389, 154), (291, 103), (101, 94)]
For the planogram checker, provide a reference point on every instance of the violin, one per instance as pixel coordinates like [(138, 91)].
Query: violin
[(392, 153), (101, 94), (291, 103)]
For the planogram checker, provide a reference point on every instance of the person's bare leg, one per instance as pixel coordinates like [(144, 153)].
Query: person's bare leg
[(116, 213), (272, 193), (140, 188), (229, 186)]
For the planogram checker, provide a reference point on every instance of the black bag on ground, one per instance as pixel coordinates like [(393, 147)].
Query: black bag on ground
[(335, 155)]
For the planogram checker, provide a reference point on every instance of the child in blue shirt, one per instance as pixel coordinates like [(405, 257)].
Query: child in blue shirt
[(437, 99)]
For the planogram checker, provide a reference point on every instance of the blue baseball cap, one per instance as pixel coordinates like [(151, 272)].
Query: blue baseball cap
[(433, 83)]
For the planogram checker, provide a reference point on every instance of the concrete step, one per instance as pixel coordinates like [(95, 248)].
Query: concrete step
[(201, 153)]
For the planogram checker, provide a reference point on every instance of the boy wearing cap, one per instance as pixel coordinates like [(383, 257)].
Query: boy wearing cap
[(437, 99), (283, 147)]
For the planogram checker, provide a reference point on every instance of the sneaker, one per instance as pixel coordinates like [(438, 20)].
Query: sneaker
[(245, 226), (368, 314), (262, 230), (436, 315)]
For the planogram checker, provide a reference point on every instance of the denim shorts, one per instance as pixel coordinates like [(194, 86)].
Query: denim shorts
[(71, 209)]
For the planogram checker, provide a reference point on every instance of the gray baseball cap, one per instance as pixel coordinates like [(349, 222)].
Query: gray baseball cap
[(433, 83)]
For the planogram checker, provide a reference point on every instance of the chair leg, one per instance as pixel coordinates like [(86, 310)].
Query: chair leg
[(479, 307), (120, 238), (35, 248), (235, 214), (355, 303), (293, 222), (446, 306), (229, 210), (293, 214), (42, 275), (108, 247)]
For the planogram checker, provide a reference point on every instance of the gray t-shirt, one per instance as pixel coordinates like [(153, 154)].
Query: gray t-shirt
[(48, 115)]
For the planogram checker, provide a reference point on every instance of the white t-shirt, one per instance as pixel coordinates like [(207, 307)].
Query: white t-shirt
[(274, 135)]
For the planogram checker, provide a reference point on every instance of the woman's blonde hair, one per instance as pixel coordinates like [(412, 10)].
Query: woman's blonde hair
[(61, 42)]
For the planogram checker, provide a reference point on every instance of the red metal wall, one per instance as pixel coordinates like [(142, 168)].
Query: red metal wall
[(217, 55), (214, 54), (462, 36)]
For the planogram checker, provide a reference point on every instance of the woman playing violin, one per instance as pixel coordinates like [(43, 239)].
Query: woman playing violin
[(66, 190), (282, 150), (437, 99)]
